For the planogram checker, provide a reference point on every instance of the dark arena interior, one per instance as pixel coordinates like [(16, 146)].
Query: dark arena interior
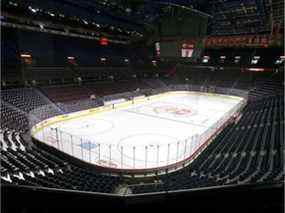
[(142, 104)]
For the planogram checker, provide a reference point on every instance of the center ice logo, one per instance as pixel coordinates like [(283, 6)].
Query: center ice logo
[(178, 111)]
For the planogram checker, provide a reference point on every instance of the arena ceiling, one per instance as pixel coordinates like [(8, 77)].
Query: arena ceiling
[(228, 17)]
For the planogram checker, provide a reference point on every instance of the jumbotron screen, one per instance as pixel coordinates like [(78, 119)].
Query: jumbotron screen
[(180, 33), (176, 49)]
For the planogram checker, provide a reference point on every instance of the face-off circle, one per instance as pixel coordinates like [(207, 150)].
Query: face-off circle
[(152, 142)]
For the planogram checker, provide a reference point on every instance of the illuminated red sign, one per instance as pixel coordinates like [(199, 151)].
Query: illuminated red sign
[(104, 41)]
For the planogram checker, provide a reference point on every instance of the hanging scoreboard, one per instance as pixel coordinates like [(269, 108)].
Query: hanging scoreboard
[(181, 32)]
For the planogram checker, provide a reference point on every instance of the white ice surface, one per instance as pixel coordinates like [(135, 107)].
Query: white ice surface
[(149, 127)]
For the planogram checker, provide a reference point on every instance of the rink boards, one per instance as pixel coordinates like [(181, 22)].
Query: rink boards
[(152, 110)]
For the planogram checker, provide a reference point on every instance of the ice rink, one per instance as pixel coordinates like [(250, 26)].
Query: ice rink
[(151, 133)]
